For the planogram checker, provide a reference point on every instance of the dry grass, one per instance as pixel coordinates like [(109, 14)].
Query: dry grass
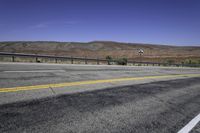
[(153, 53)]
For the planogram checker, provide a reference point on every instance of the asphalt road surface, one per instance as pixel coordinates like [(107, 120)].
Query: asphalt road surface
[(152, 103)]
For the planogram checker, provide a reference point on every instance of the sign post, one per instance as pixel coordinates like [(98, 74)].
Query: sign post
[(140, 53)]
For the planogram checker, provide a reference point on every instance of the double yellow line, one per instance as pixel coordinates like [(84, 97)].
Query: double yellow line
[(47, 86)]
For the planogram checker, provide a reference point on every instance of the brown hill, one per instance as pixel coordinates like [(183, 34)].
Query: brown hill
[(101, 49)]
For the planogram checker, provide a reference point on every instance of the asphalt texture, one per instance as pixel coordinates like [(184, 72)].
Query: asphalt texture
[(153, 107), (24, 74), (159, 107), (196, 129)]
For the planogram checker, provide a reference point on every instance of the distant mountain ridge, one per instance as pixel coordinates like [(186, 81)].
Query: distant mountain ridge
[(101, 49)]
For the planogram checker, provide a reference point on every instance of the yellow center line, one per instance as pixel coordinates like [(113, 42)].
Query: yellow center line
[(78, 83)]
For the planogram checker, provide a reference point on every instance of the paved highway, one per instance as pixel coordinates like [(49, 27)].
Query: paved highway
[(79, 98)]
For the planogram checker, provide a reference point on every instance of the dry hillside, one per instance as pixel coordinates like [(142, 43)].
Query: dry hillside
[(101, 49)]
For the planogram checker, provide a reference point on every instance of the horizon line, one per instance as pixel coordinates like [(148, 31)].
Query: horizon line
[(140, 43)]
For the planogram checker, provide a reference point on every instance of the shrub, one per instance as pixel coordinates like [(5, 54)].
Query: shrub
[(122, 61), (170, 62), (109, 59)]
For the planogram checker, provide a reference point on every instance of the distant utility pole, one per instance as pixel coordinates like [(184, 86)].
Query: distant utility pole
[(140, 53)]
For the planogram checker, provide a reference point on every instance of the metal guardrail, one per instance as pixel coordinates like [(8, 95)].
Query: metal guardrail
[(13, 55), (46, 56), (85, 59)]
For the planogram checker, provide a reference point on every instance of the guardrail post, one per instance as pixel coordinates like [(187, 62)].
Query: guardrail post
[(85, 60), (72, 61), (13, 58), (97, 61), (36, 59)]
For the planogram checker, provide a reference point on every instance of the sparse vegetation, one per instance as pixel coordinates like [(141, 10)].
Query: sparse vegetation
[(109, 59), (170, 62), (192, 63), (152, 53), (121, 61)]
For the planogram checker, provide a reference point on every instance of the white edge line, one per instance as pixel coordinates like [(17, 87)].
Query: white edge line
[(187, 128)]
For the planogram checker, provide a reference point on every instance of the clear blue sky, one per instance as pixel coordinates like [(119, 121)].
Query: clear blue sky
[(175, 22)]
